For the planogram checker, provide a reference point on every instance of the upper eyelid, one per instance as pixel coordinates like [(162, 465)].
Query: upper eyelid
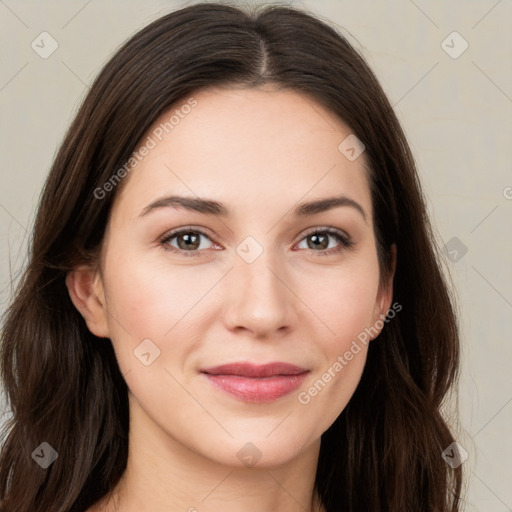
[(174, 232)]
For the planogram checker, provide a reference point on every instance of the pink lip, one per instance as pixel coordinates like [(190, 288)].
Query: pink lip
[(256, 383)]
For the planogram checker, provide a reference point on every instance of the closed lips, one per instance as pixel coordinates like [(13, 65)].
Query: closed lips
[(249, 370), (256, 383)]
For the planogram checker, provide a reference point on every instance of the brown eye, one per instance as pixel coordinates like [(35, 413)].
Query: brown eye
[(186, 241), (318, 241)]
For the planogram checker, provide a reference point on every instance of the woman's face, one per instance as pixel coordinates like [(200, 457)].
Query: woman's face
[(254, 278)]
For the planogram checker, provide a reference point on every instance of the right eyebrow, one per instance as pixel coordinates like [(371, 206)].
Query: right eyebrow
[(206, 206)]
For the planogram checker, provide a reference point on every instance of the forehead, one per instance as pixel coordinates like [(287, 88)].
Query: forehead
[(248, 148)]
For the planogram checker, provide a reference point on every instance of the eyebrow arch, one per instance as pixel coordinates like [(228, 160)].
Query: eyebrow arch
[(211, 207), (329, 203)]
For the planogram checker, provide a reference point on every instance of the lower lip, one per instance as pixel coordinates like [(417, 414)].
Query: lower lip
[(265, 389)]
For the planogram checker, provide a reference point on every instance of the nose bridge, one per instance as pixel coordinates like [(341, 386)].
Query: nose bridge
[(258, 297)]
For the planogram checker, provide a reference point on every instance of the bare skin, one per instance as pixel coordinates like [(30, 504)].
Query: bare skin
[(262, 153)]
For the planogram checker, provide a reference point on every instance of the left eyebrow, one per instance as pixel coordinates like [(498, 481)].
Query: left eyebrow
[(211, 207), (329, 203)]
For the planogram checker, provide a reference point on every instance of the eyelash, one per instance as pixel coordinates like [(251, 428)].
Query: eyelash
[(344, 240)]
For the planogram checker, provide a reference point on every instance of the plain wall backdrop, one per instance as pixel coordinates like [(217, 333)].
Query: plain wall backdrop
[(446, 67)]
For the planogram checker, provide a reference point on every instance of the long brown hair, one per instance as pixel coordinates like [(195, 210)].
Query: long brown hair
[(64, 387)]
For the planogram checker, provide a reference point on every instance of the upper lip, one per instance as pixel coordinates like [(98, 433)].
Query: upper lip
[(244, 369)]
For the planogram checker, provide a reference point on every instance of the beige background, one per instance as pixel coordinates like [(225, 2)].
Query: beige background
[(457, 113)]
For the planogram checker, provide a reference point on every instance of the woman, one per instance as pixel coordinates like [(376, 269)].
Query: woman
[(234, 299)]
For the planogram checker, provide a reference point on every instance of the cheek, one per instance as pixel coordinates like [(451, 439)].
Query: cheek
[(345, 302), (337, 376), (151, 311), (347, 308), (156, 301), (149, 298)]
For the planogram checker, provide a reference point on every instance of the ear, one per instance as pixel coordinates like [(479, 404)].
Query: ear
[(85, 288), (385, 295)]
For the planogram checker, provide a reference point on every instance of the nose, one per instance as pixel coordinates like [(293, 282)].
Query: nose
[(259, 298)]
